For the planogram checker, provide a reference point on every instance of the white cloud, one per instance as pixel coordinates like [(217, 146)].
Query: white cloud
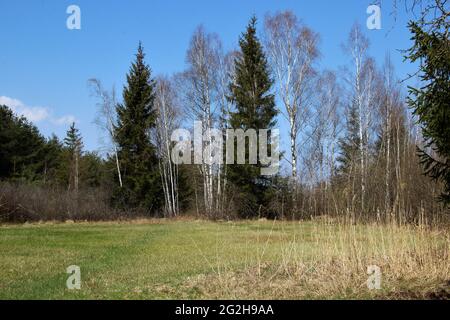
[(64, 120), (10, 102), (35, 114)]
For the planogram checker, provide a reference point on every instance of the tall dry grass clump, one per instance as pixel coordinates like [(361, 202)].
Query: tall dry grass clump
[(330, 260), (21, 202)]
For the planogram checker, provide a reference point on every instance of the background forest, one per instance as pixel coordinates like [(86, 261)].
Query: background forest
[(360, 144)]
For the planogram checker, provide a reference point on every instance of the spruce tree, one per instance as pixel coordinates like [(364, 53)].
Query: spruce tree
[(54, 152), (136, 118), (349, 144), (74, 147), (255, 109), (22, 148), (431, 102)]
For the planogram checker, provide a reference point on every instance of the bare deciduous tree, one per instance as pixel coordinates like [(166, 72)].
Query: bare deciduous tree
[(328, 125), (225, 77), (167, 122), (199, 86), (361, 81), (106, 117), (292, 51)]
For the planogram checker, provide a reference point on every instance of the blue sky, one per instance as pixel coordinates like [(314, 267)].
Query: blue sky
[(44, 66)]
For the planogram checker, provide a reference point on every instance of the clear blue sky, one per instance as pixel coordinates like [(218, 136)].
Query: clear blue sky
[(44, 66)]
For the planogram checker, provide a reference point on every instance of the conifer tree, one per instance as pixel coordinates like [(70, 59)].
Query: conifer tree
[(54, 152), (255, 109), (349, 144), (136, 118), (431, 102), (74, 144), (22, 147)]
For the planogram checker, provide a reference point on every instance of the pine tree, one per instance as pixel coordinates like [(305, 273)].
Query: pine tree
[(54, 152), (349, 144), (22, 148), (255, 109), (138, 159), (431, 102), (74, 146), (92, 170)]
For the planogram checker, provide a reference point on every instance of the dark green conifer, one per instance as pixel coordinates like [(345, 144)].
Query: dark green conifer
[(431, 102), (255, 109), (138, 159)]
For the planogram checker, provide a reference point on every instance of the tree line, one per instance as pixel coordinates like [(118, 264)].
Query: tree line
[(353, 140)]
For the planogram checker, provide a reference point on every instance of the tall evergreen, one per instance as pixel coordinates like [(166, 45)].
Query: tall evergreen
[(73, 140), (255, 109), (431, 102), (22, 148), (138, 159), (74, 147), (53, 160), (349, 144)]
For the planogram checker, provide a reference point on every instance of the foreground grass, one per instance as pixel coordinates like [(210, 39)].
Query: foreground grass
[(234, 260)]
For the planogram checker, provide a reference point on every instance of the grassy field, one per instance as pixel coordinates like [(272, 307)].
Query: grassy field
[(160, 259)]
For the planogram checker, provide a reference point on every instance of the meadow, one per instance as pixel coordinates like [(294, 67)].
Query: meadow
[(197, 259)]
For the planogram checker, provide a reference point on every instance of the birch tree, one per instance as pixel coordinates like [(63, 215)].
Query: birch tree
[(360, 80), (225, 77), (199, 85), (327, 111), (167, 122), (387, 115), (106, 117), (292, 51)]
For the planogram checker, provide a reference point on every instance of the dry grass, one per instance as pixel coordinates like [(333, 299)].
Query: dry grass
[(171, 259), (414, 263)]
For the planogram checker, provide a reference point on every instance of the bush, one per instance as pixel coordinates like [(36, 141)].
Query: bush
[(26, 202)]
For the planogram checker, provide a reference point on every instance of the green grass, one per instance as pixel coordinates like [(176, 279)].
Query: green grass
[(197, 259)]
